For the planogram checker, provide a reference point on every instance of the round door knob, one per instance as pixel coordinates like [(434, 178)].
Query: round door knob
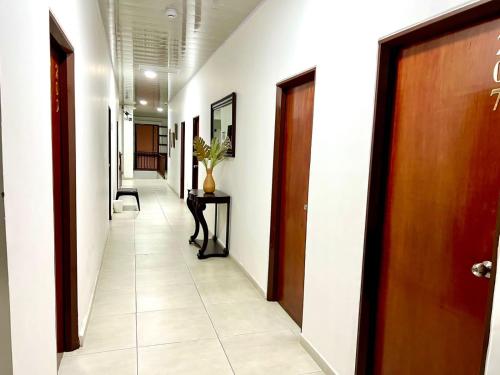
[(482, 269)]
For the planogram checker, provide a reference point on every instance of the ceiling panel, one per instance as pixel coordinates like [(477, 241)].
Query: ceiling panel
[(142, 38)]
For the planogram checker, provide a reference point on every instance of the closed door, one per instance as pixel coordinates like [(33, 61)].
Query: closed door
[(145, 140), (64, 197), (118, 161), (58, 186), (182, 158), (297, 115), (146, 147), (110, 199), (441, 208), (196, 130)]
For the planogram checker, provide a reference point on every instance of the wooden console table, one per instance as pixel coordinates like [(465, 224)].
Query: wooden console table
[(197, 201)]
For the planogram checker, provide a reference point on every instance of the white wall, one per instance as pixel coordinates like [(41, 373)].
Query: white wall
[(281, 39), (5, 338), (128, 144), (493, 358), (27, 152), (150, 120)]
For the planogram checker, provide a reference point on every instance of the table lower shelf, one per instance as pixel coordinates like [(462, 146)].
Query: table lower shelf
[(214, 249)]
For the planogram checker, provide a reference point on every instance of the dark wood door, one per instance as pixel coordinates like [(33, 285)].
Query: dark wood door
[(144, 138), (146, 147), (182, 159), (441, 209), (297, 114), (56, 58), (110, 199), (196, 131), (64, 196), (118, 161)]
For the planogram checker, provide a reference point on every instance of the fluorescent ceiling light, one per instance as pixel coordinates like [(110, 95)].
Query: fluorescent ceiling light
[(159, 109), (143, 102), (150, 74)]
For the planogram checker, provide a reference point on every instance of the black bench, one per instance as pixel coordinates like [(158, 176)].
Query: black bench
[(129, 191)]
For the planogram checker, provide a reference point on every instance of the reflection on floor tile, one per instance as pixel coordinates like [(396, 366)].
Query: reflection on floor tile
[(187, 358), (246, 317), (113, 302), (220, 291), (163, 276), (171, 258), (151, 298), (217, 269), (174, 325), (158, 309), (122, 362), (268, 353), (106, 333)]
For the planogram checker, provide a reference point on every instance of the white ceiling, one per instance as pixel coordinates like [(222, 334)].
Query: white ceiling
[(143, 38)]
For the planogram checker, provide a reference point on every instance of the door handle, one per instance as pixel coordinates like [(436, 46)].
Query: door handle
[(482, 269)]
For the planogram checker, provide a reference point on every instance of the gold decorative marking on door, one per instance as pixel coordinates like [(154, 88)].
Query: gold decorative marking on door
[(57, 86), (496, 78)]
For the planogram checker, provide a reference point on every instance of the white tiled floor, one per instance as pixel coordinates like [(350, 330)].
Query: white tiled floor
[(159, 310)]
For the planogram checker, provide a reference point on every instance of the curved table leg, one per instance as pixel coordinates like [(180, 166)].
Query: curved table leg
[(191, 207), (199, 208)]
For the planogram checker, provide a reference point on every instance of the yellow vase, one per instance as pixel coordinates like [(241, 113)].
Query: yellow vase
[(209, 183)]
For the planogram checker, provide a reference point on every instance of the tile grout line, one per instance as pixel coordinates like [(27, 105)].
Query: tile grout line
[(204, 305), (211, 321)]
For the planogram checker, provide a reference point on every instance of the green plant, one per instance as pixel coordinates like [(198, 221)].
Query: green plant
[(211, 155)]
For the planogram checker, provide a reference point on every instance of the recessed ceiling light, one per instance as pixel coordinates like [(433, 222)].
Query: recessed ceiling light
[(159, 109), (143, 102), (150, 74), (171, 13)]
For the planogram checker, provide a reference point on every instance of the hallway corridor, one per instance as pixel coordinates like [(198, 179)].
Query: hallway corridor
[(160, 310)]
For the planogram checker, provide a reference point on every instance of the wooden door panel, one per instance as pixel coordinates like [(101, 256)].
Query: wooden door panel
[(182, 159), (443, 191), (144, 138), (156, 136), (194, 173), (56, 106), (146, 147), (298, 114)]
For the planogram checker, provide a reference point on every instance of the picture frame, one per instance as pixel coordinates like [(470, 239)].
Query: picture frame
[(169, 143)]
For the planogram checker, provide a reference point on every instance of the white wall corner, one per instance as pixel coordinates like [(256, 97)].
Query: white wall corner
[(322, 363), (261, 291), (84, 321)]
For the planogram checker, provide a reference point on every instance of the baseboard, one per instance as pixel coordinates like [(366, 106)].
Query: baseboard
[(171, 188), (250, 277), (242, 269), (325, 367), (318, 358), (82, 330)]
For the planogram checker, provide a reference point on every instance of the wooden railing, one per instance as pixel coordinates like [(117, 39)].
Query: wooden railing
[(146, 161), (151, 161), (162, 164)]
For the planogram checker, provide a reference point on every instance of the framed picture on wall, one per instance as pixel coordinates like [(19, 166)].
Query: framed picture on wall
[(169, 142)]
